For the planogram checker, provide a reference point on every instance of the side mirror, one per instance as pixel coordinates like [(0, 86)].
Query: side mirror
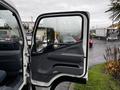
[(44, 39)]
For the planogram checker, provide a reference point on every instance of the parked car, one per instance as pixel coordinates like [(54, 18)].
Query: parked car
[(4, 34), (90, 41), (112, 34)]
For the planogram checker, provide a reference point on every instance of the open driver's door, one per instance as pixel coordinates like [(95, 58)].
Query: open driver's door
[(60, 48)]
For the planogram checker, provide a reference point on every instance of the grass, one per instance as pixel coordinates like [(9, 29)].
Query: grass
[(98, 80)]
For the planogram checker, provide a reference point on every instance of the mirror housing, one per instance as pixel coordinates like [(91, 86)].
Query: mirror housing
[(44, 39)]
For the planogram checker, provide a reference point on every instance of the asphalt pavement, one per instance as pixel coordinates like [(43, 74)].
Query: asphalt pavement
[(96, 56)]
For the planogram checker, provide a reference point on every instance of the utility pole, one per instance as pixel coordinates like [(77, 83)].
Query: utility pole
[(31, 19)]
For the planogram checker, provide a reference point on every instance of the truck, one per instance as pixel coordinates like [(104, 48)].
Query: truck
[(105, 33), (24, 69), (100, 33)]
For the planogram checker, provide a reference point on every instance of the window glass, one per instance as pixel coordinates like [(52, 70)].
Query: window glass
[(9, 30), (58, 31)]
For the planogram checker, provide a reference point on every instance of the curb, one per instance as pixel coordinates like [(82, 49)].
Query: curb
[(71, 86)]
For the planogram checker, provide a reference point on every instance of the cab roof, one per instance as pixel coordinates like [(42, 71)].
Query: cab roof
[(8, 2)]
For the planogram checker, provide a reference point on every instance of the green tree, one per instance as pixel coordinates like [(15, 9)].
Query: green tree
[(115, 10)]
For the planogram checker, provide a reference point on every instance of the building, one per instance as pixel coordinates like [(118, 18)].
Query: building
[(28, 26)]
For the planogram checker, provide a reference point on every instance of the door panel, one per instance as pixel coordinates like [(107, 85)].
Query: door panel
[(72, 54), (68, 60)]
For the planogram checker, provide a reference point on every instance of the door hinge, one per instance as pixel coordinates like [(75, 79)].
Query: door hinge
[(27, 54)]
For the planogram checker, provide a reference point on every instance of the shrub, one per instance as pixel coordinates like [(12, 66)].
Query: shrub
[(112, 57)]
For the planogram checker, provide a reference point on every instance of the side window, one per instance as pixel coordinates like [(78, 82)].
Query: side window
[(58, 31), (9, 30)]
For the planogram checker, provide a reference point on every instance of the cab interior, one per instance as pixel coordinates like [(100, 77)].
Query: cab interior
[(11, 51)]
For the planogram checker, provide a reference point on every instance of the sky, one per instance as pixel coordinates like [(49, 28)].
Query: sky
[(98, 18), (65, 25)]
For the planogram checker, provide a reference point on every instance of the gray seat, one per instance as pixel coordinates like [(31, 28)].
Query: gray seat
[(6, 88), (2, 75), (10, 61)]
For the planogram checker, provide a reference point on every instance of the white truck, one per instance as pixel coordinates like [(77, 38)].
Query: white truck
[(101, 33), (105, 33), (2, 22), (24, 69)]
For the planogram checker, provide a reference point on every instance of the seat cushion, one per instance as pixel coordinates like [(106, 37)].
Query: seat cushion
[(6, 88), (2, 75)]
